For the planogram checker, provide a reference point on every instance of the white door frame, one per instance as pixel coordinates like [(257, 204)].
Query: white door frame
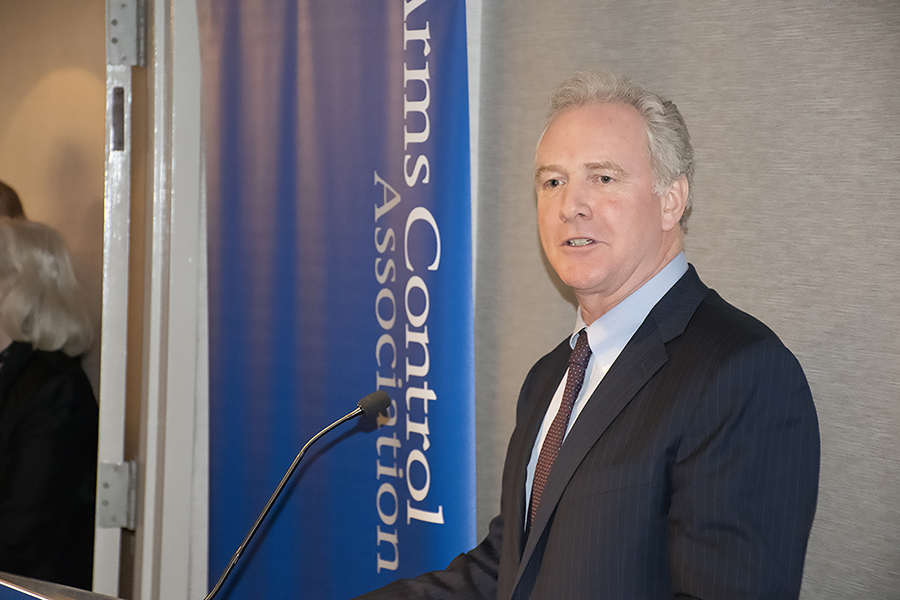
[(171, 521)]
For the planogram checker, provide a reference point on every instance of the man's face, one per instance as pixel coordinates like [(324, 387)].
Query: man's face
[(602, 227)]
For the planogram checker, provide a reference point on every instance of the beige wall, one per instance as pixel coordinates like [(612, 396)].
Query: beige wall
[(52, 115), (793, 112)]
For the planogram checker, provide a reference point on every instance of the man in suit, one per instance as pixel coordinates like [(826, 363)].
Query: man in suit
[(669, 447)]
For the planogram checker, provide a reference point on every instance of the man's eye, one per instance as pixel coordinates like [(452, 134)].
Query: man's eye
[(553, 183), (605, 179)]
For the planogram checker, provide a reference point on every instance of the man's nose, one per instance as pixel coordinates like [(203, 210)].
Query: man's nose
[(575, 202)]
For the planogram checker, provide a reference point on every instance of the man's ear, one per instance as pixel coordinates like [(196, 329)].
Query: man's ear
[(673, 203)]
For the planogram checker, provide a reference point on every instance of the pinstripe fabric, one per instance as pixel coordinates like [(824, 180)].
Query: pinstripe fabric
[(691, 472), (578, 361)]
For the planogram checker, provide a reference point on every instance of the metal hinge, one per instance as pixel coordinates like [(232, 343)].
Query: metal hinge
[(116, 494), (125, 27)]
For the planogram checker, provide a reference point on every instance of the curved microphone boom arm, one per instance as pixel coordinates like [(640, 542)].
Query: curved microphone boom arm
[(370, 405)]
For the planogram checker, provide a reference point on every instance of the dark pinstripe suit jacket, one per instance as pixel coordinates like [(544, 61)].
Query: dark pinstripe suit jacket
[(692, 472)]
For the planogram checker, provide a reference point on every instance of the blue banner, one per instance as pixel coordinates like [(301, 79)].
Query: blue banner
[(340, 263)]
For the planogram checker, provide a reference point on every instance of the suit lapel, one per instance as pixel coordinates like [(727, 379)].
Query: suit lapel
[(547, 380), (643, 356)]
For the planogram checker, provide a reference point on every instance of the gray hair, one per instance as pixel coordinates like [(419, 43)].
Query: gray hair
[(40, 301), (669, 143)]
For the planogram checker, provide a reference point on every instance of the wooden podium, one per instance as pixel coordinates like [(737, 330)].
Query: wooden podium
[(14, 587)]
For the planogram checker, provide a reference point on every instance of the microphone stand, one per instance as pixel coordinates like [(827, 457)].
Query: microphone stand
[(237, 555)]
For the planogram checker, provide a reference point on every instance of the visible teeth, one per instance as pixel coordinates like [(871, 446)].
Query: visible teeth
[(579, 242)]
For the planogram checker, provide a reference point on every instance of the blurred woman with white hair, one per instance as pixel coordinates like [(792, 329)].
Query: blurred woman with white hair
[(48, 412)]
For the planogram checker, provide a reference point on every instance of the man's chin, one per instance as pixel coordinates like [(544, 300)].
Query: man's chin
[(583, 283)]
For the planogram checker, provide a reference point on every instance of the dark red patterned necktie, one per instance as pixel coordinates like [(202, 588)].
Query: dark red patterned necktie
[(578, 361)]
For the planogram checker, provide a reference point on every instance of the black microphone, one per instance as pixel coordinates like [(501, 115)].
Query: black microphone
[(370, 405)]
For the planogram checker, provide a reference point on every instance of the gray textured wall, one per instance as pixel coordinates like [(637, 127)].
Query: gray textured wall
[(792, 108)]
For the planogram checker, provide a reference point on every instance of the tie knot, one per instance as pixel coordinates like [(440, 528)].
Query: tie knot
[(581, 353)]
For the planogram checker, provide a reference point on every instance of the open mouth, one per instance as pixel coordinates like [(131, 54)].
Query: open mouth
[(576, 242)]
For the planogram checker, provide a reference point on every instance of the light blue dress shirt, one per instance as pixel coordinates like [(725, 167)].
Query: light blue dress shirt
[(607, 336)]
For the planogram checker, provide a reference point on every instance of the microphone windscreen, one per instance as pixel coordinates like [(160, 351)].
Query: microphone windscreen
[(374, 403)]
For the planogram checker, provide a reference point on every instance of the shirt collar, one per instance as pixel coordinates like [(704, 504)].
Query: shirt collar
[(614, 328)]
